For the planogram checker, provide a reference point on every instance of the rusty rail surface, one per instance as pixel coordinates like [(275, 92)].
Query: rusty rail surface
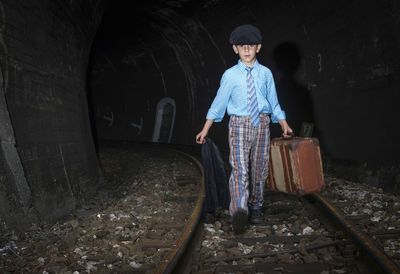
[(362, 240), (179, 248)]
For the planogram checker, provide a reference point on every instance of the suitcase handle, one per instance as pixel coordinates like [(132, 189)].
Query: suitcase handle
[(291, 136)]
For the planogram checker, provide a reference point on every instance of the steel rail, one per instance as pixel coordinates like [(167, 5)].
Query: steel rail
[(361, 239), (179, 248)]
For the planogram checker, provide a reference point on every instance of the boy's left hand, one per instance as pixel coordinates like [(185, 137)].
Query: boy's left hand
[(286, 130)]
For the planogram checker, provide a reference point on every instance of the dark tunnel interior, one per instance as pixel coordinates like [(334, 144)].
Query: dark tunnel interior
[(77, 73)]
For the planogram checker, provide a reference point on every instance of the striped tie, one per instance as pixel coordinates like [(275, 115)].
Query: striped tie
[(252, 105)]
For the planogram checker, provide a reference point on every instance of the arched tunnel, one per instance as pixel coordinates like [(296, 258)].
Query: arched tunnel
[(76, 73)]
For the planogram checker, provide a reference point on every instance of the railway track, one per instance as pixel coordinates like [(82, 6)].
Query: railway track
[(137, 235), (173, 258), (299, 235)]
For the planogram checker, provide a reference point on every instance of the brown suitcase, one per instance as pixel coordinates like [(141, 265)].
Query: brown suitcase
[(295, 166)]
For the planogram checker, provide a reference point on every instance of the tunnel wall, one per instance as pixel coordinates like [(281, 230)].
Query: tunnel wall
[(335, 64), (148, 54), (349, 65), (47, 159)]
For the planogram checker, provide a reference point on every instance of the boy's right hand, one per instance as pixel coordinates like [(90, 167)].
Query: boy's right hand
[(200, 138)]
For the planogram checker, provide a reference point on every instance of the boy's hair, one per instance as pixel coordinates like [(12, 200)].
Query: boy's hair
[(245, 35)]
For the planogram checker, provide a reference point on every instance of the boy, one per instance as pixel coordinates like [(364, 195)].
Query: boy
[(247, 91)]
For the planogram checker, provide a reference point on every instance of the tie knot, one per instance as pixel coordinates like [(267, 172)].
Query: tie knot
[(249, 69)]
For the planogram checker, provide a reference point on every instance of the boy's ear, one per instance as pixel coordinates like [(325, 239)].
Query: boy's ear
[(258, 48), (235, 49)]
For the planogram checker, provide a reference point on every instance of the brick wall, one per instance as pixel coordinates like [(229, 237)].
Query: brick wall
[(44, 50)]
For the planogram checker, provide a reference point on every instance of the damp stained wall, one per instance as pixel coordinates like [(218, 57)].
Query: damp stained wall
[(47, 157)]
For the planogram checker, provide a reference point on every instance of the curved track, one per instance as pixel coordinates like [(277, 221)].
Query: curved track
[(357, 251), (177, 251)]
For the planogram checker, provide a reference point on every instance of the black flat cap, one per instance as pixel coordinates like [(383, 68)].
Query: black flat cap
[(245, 35)]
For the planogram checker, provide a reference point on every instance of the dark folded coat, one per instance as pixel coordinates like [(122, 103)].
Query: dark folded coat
[(215, 178)]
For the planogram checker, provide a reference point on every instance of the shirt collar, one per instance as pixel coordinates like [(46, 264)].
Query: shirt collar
[(243, 67)]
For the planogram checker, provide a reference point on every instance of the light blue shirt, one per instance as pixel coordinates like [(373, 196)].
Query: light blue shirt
[(232, 93)]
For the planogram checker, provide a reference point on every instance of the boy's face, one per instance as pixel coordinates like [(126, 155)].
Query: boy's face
[(247, 53)]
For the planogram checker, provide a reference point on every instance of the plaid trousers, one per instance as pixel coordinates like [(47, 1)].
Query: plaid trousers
[(249, 157)]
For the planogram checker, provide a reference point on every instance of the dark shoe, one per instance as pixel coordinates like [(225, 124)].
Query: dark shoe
[(256, 216), (239, 221)]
